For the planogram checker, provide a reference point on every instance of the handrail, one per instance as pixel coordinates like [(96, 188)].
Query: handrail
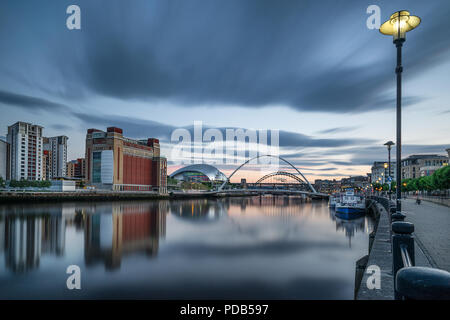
[(405, 257)]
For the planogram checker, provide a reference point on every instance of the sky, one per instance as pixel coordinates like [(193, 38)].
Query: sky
[(312, 70)]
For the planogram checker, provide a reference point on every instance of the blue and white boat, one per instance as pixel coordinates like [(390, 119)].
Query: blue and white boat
[(350, 206)]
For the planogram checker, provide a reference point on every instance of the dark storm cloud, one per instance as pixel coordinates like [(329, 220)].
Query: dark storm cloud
[(249, 53), (28, 102), (134, 127), (138, 128), (337, 130), (293, 139)]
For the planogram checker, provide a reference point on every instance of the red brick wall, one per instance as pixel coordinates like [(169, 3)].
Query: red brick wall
[(137, 170)]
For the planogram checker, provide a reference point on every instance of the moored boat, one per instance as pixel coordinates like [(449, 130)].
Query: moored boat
[(350, 206)]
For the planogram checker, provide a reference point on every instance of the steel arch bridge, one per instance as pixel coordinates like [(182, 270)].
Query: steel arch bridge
[(281, 173), (272, 156)]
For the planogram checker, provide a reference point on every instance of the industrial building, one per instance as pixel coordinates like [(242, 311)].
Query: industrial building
[(119, 163)]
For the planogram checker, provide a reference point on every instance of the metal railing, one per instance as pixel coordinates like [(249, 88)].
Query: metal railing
[(389, 206), (411, 282)]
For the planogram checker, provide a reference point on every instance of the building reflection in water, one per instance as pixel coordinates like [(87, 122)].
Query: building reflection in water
[(110, 232), (131, 228), (26, 236), (199, 210), (351, 227)]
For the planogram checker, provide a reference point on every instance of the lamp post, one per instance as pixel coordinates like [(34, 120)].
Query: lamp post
[(398, 24), (389, 145)]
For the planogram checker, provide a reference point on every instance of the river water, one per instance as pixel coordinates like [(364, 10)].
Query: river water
[(268, 247)]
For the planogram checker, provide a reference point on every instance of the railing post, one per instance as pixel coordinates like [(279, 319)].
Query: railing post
[(420, 283), (398, 217), (401, 237)]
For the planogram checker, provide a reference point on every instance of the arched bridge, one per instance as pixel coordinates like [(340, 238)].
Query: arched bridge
[(301, 180), (280, 173)]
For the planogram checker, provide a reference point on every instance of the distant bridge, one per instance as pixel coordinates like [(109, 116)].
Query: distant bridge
[(280, 173), (259, 187)]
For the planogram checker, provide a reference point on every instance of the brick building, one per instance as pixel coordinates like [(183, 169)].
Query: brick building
[(76, 168), (119, 163)]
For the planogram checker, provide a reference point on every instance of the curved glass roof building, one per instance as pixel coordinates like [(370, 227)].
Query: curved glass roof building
[(199, 173)]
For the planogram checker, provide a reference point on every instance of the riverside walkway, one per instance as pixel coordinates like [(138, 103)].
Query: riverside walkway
[(381, 253), (432, 230)]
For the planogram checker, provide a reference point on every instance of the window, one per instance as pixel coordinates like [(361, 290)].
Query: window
[(96, 167)]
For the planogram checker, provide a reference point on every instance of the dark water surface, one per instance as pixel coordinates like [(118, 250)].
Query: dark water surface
[(273, 247)]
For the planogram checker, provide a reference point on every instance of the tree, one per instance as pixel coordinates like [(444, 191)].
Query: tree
[(441, 178), (2, 182)]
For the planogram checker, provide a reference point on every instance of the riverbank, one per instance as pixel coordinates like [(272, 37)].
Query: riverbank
[(379, 255), (30, 196)]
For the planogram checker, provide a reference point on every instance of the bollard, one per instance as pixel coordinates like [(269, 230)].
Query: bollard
[(402, 240), (420, 283), (398, 216)]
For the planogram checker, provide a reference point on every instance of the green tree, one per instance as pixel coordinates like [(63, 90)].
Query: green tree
[(441, 178), (2, 182)]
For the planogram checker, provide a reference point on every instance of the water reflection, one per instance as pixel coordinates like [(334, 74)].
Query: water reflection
[(351, 227), (270, 242), (198, 210), (111, 231), (27, 237), (121, 230)]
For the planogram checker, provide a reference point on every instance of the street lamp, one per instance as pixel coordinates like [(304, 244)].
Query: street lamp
[(398, 24), (389, 145)]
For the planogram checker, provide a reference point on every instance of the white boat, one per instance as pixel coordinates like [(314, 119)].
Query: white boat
[(350, 206)]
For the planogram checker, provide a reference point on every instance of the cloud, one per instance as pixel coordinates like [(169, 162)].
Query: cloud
[(252, 53), (367, 155), (29, 102), (139, 128), (62, 127), (338, 129)]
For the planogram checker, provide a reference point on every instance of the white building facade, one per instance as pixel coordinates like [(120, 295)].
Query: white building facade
[(26, 147)]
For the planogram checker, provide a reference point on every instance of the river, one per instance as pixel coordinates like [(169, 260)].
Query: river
[(268, 247)]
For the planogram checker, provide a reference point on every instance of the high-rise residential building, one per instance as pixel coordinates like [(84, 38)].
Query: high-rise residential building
[(379, 173), (76, 168), (114, 161), (419, 165), (57, 147), (448, 151), (26, 148), (46, 164), (5, 167)]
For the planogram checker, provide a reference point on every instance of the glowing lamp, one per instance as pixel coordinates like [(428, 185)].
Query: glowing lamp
[(399, 24)]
